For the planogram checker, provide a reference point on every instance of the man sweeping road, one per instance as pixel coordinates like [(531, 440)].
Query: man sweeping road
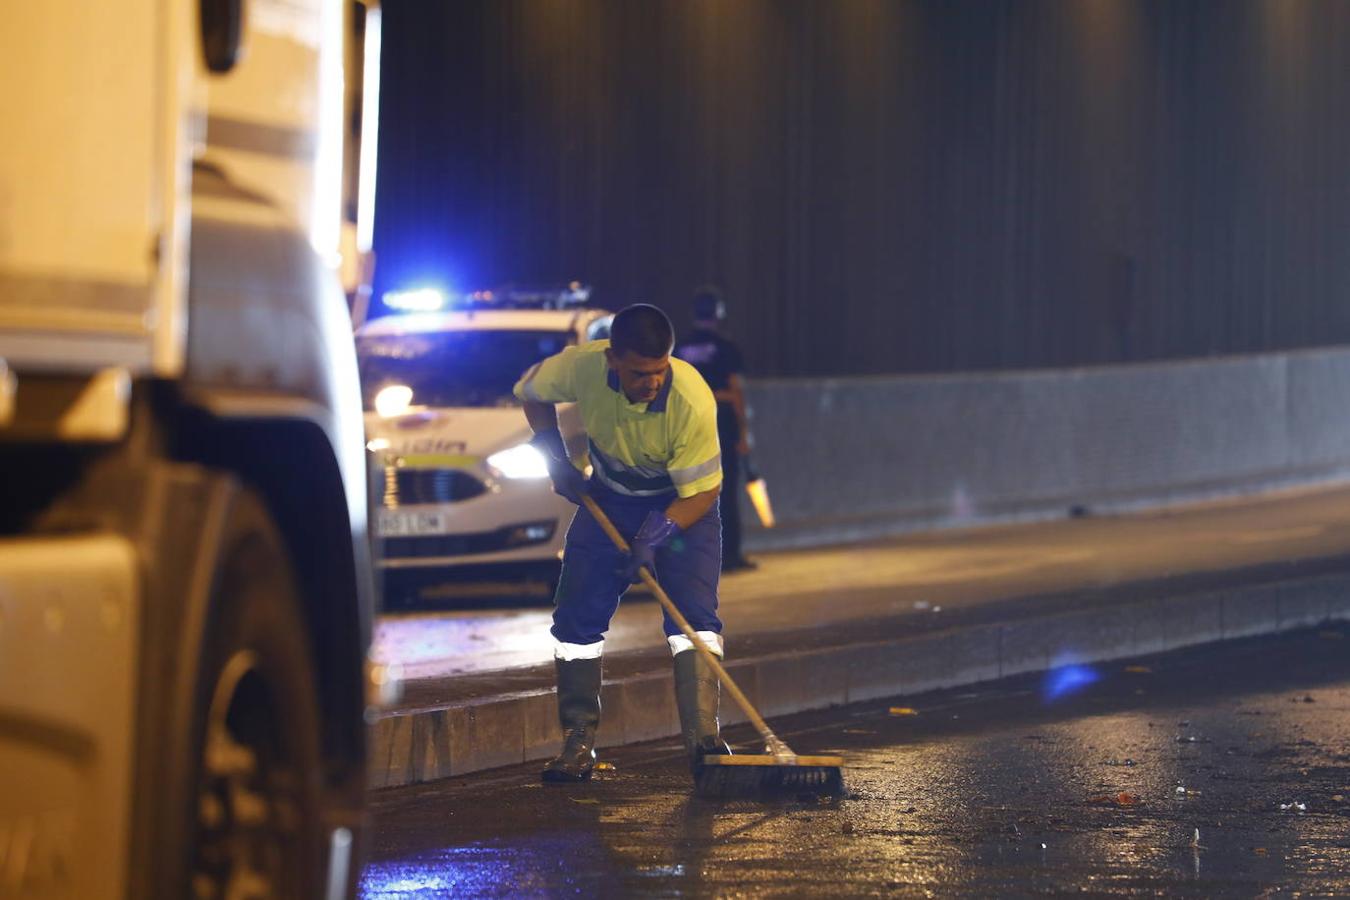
[(651, 423)]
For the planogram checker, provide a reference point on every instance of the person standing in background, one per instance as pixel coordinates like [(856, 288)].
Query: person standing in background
[(721, 364)]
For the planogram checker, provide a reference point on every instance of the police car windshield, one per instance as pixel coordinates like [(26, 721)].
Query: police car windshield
[(454, 368)]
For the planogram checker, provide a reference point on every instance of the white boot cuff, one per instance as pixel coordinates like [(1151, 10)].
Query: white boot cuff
[(567, 652), (679, 643)]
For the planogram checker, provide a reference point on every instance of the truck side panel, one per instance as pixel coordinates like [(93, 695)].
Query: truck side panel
[(92, 178), (275, 121), (67, 691)]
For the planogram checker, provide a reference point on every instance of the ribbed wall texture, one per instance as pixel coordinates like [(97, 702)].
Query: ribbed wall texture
[(851, 458), (888, 186)]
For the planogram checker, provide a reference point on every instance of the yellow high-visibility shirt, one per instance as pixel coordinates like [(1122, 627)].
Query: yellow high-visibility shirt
[(639, 449)]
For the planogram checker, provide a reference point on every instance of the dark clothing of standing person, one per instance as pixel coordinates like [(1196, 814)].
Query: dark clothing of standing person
[(719, 361)]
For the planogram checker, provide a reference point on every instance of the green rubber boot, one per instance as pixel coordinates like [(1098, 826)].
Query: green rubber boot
[(579, 715), (697, 696)]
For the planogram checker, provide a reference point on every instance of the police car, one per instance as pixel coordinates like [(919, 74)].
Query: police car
[(464, 504)]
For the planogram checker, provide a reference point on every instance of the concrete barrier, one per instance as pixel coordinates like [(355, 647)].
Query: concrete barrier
[(849, 459)]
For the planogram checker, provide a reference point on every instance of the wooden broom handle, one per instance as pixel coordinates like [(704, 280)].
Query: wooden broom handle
[(649, 580)]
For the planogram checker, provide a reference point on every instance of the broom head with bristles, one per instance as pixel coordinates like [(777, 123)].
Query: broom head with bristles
[(761, 776)]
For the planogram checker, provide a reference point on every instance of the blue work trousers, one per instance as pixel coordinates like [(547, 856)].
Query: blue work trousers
[(590, 586)]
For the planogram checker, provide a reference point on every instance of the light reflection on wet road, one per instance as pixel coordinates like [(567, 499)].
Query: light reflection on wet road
[(996, 792)]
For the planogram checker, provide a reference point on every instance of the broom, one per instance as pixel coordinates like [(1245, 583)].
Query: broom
[(778, 770)]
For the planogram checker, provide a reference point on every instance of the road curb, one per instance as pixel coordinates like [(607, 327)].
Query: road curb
[(408, 747)]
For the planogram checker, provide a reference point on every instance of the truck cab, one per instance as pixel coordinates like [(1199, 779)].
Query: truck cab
[(186, 586)]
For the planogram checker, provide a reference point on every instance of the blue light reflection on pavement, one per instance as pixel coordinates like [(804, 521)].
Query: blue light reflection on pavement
[(1062, 681), (492, 869)]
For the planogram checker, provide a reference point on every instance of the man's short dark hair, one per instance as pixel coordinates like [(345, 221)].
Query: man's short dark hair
[(642, 329), (709, 305)]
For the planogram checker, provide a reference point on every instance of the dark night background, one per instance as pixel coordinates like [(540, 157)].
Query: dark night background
[(886, 186)]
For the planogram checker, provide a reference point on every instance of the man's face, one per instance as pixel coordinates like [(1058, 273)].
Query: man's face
[(640, 378)]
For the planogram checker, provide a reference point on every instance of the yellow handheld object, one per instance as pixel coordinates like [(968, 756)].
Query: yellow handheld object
[(758, 490)]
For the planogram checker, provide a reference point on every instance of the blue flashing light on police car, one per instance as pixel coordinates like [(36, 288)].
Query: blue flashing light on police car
[(430, 299), (416, 300)]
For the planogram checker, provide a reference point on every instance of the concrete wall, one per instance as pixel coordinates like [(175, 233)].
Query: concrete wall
[(853, 458), (887, 186)]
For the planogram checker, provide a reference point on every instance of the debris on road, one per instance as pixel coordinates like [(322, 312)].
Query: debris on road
[(1296, 806), (1124, 798)]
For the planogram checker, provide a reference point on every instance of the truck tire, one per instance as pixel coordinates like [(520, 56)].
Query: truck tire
[(257, 766)]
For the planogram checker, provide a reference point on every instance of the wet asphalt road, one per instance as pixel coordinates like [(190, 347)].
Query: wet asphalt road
[(1083, 781)]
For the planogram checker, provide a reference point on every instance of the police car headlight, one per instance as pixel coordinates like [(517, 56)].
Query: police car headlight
[(393, 400), (523, 461)]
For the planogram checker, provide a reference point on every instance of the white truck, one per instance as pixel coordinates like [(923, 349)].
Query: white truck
[(185, 575)]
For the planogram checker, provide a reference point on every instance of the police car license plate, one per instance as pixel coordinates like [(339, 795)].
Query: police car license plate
[(402, 523)]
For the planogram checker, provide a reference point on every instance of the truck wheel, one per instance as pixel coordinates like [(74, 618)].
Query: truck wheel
[(259, 825)]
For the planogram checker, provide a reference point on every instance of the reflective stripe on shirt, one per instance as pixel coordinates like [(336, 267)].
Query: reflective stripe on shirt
[(528, 389), (694, 473), (635, 481)]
